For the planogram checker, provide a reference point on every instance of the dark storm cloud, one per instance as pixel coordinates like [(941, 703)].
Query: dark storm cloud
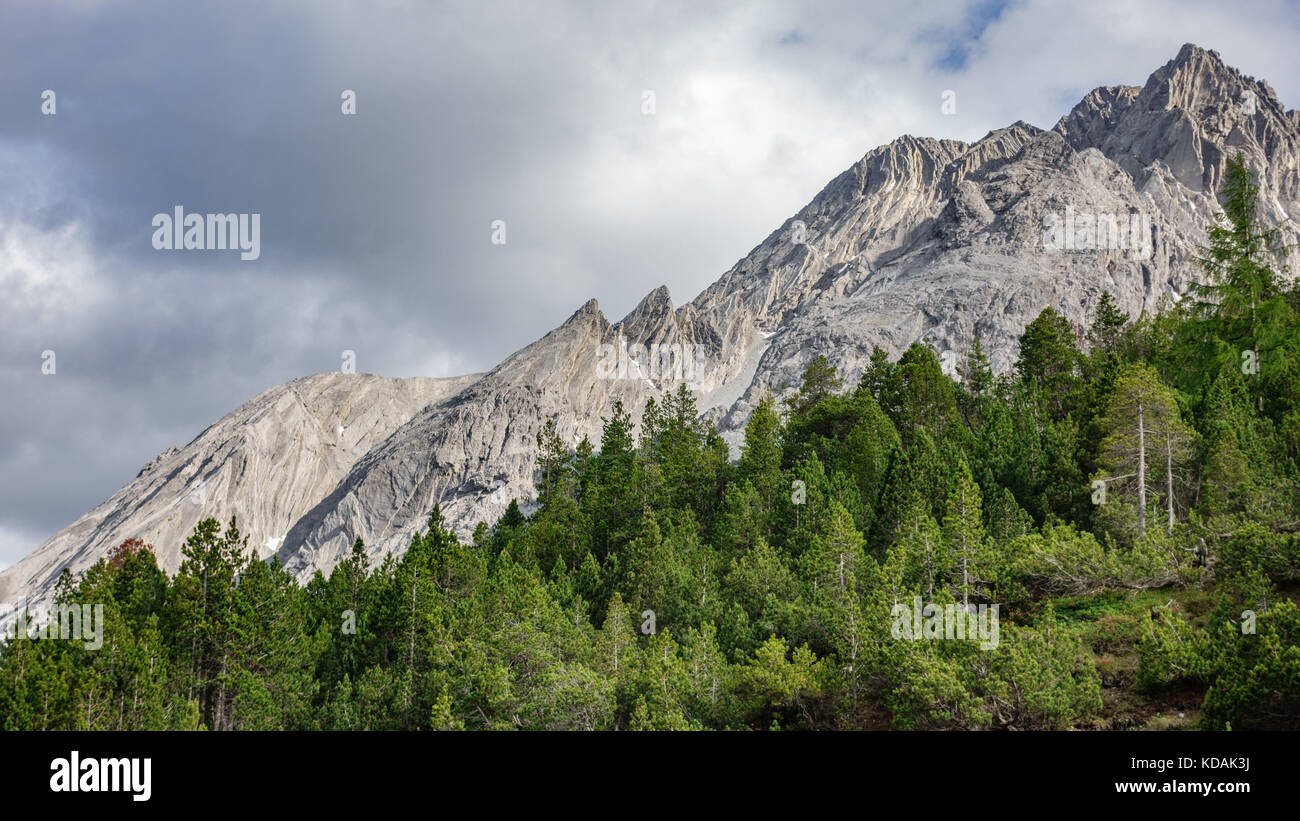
[(375, 228)]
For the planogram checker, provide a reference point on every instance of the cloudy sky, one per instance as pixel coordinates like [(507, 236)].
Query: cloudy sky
[(376, 228)]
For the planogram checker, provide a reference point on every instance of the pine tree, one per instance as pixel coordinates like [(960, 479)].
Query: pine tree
[(1107, 325), (1245, 318), (877, 373), (1145, 434), (1049, 360), (1241, 280), (920, 552), (919, 396), (201, 616), (552, 462), (975, 371), (968, 548), (760, 454), (820, 380)]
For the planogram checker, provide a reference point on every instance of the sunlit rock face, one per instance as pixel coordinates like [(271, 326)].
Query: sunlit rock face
[(268, 463)]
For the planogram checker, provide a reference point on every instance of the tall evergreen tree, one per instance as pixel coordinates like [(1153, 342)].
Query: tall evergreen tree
[(1145, 434)]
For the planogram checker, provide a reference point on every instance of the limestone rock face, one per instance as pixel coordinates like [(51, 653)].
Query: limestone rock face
[(921, 240), (476, 451), (267, 463)]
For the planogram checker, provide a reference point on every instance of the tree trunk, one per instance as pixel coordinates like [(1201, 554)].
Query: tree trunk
[(965, 584), (1169, 480), (1142, 474), (410, 656)]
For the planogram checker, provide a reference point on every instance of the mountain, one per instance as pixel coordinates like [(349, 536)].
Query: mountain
[(922, 239), (268, 462)]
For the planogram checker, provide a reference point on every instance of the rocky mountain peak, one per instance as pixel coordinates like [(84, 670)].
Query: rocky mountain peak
[(1194, 80), (652, 314), (1189, 116)]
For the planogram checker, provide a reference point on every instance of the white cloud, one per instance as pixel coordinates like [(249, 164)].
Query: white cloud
[(47, 275)]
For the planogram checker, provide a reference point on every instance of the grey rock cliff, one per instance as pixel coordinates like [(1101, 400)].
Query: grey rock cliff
[(267, 463)]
